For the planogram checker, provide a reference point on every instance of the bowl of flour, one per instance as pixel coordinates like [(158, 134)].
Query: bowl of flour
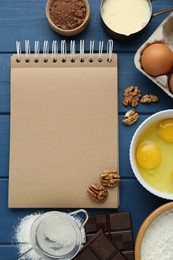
[(155, 237)]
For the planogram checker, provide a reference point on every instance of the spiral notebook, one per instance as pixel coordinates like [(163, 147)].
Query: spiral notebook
[(64, 127)]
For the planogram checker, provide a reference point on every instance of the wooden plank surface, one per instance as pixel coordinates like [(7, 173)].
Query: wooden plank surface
[(23, 19), (133, 198)]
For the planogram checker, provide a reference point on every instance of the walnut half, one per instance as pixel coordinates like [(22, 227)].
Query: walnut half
[(97, 192), (149, 99), (131, 96), (110, 178), (130, 117)]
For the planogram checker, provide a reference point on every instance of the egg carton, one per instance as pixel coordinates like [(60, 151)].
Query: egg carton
[(163, 34)]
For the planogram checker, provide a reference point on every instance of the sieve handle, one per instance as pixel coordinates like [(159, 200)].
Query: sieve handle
[(79, 213), (20, 257)]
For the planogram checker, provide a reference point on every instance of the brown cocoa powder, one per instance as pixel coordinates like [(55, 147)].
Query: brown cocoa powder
[(68, 14)]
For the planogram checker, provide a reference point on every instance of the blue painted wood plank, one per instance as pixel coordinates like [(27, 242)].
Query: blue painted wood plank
[(133, 198), (5, 83), (22, 19), (8, 252), (4, 145)]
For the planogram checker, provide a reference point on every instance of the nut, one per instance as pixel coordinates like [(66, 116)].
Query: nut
[(110, 178), (131, 96), (97, 192), (149, 98), (130, 117)]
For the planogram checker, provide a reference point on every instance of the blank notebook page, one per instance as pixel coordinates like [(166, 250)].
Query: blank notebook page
[(64, 132)]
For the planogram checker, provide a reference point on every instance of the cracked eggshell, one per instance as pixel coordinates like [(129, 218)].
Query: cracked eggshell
[(163, 34)]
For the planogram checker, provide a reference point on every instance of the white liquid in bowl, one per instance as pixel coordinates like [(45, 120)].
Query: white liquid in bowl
[(126, 16)]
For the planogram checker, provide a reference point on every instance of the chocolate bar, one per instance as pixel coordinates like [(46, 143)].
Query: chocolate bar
[(99, 247), (117, 226)]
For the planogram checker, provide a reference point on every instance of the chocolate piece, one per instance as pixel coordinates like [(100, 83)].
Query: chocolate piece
[(99, 248), (117, 226)]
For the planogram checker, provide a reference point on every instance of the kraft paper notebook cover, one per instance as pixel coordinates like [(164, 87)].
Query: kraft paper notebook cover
[(64, 131)]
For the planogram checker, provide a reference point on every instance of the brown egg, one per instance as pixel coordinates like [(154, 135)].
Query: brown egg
[(171, 83), (157, 59)]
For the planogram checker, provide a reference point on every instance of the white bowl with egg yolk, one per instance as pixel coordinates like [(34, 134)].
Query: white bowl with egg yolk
[(151, 154)]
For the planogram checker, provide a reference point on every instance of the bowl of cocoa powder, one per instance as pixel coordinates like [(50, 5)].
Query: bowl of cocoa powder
[(68, 17)]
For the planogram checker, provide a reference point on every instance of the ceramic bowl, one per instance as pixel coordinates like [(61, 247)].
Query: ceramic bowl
[(144, 227), (71, 32), (165, 114)]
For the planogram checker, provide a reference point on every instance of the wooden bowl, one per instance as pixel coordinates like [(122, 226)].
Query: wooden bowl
[(70, 32), (145, 226)]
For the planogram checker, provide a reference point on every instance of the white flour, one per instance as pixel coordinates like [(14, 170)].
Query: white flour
[(22, 236), (57, 236), (59, 231), (157, 243)]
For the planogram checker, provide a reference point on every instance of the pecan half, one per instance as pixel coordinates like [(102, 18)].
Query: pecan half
[(97, 192), (130, 117), (131, 96), (110, 178), (149, 98)]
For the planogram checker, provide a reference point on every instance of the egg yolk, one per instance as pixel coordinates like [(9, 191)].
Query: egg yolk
[(172, 176), (165, 130), (148, 155)]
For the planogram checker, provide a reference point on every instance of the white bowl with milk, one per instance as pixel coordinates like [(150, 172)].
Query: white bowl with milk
[(126, 17)]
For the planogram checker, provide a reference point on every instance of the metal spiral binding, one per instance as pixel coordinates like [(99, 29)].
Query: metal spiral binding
[(54, 51), (18, 49), (91, 54), (100, 55), (72, 51), (36, 51), (45, 51), (27, 51), (82, 50), (110, 50), (63, 50)]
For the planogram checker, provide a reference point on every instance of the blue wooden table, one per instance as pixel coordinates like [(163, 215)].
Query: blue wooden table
[(26, 20)]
